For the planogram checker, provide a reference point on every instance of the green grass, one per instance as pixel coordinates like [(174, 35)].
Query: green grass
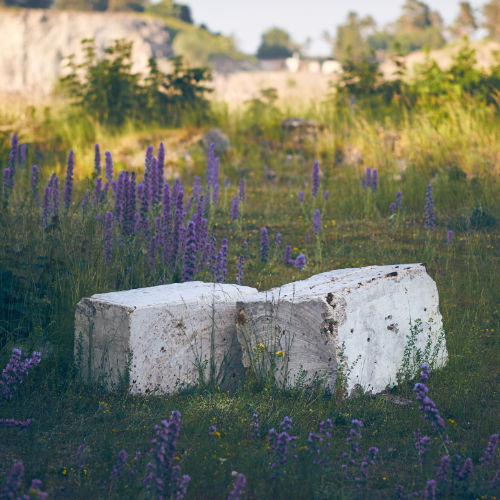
[(43, 274)]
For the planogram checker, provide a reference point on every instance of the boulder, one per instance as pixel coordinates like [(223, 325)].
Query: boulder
[(160, 339), (353, 323), (219, 138)]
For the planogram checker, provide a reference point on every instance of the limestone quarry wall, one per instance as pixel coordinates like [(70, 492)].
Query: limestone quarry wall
[(35, 43)]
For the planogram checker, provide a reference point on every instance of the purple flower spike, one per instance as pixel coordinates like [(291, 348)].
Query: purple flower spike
[(287, 257), (215, 194), (399, 199), (300, 262), (235, 208), (489, 453), (238, 488), (315, 179), (120, 464), (108, 160), (326, 195), (189, 253), (34, 184), (430, 490), (301, 196), (429, 219), (317, 221), (277, 240), (68, 184), (444, 469), (374, 181), (242, 190), (449, 237), (393, 207), (264, 245), (15, 372), (161, 165), (108, 237), (22, 153), (97, 159)]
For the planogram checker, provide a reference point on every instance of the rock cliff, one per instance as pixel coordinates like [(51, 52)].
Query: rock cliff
[(34, 44)]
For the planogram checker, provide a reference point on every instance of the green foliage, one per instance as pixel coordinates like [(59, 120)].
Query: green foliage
[(169, 8), (29, 4), (85, 5), (107, 91), (351, 42), (276, 43)]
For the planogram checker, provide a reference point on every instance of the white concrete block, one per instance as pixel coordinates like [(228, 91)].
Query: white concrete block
[(361, 314), (156, 339)]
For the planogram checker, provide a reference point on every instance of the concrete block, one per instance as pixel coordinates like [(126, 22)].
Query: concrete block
[(157, 339), (358, 319)]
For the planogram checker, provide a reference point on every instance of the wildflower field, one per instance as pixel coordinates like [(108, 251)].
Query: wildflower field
[(87, 209)]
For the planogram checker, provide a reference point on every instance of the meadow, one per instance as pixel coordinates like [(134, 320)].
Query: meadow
[(93, 219)]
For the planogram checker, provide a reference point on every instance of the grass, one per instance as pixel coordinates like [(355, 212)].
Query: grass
[(43, 274)]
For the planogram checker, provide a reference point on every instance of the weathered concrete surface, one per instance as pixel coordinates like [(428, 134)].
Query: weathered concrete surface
[(361, 315), (156, 339), (35, 43)]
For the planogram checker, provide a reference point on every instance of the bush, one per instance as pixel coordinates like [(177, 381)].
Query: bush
[(108, 91)]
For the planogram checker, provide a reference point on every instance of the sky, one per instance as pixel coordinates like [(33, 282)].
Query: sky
[(246, 20)]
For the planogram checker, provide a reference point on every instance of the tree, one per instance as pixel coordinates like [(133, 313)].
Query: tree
[(465, 23), (276, 43), (351, 40), (29, 4), (491, 12)]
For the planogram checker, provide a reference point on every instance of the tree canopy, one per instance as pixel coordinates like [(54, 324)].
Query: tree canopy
[(276, 43)]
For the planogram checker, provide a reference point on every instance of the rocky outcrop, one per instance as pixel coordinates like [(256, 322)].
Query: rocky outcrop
[(34, 44)]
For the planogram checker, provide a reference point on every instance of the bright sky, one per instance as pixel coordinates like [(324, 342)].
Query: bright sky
[(248, 19)]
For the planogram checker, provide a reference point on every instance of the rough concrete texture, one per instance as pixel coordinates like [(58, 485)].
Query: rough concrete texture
[(156, 339), (35, 43), (356, 318)]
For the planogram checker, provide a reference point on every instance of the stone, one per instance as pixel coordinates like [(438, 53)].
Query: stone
[(35, 44), (353, 322), (219, 138), (159, 339)]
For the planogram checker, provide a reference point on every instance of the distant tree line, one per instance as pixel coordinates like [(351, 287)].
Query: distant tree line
[(164, 7), (418, 26)]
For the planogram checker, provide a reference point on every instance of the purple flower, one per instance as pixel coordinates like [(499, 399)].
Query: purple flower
[(153, 244), (108, 160), (8, 181), (429, 219), (221, 264), (287, 257), (449, 237), (196, 186), (301, 196), (280, 444), (164, 479), (319, 442), (430, 490), (242, 190), (240, 267), (227, 182), (176, 241), (443, 469), (399, 199), (7, 423), (22, 152), (154, 190), (34, 184), (466, 470), (13, 486), (108, 237), (16, 371), (277, 240), (189, 253), (374, 185), (120, 464), (326, 195), (68, 184), (315, 179), (317, 221), (264, 245), (161, 165), (238, 488), (255, 425), (235, 208), (393, 207), (14, 145), (97, 159), (489, 452), (211, 160), (300, 262), (96, 196), (215, 194), (422, 444)]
